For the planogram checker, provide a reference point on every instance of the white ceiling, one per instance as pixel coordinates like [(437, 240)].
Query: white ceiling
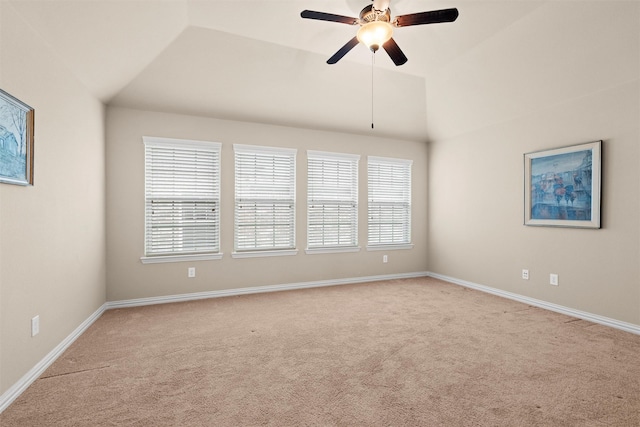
[(259, 61)]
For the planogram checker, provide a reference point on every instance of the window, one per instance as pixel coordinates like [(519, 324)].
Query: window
[(264, 201), (182, 200), (389, 209), (332, 202)]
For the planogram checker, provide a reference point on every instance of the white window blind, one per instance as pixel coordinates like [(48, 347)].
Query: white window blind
[(389, 209), (264, 198), (332, 200), (182, 197)]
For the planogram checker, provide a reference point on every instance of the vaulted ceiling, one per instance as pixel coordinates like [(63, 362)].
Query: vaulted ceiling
[(259, 61)]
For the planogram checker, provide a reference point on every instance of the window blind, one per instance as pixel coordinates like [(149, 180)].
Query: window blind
[(389, 198), (182, 197), (264, 198), (332, 200)]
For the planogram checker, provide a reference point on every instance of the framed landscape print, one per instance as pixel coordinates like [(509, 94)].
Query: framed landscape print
[(562, 186), (16, 141)]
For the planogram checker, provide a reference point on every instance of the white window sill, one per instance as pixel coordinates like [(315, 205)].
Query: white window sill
[(314, 251), (259, 254), (389, 247), (179, 258)]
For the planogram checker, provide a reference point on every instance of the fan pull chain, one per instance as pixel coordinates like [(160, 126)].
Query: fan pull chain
[(373, 56)]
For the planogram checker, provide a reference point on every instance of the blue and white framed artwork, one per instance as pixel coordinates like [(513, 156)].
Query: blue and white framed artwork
[(562, 186), (16, 141)]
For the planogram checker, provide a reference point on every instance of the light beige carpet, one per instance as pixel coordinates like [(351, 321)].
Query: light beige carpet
[(415, 352)]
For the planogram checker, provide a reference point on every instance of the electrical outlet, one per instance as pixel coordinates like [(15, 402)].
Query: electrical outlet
[(35, 326), (192, 272), (525, 274), (553, 279), (385, 258)]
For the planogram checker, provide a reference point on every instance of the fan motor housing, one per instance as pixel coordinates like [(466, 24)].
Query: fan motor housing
[(369, 14)]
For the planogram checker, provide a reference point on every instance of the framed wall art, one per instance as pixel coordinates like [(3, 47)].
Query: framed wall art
[(16, 141), (562, 186)]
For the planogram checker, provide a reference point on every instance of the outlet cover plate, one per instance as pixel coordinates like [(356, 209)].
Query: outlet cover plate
[(35, 326), (553, 279), (525, 274)]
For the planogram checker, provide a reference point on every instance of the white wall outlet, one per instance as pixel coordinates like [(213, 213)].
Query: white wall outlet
[(553, 279), (192, 272), (385, 258), (35, 326), (525, 274)]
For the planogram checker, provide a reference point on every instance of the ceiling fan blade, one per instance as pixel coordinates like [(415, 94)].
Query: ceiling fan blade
[(343, 51), (322, 16), (431, 17), (394, 51)]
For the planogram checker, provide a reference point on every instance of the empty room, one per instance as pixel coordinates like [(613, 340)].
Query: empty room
[(345, 212)]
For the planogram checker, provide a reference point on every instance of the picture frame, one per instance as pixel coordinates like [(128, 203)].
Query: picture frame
[(16, 141), (563, 185)]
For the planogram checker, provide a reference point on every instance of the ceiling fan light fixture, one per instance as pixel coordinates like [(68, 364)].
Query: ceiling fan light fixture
[(375, 34), (376, 27)]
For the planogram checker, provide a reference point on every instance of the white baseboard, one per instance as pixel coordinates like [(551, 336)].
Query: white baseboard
[(595, 318), (257, 289), (19, 387)]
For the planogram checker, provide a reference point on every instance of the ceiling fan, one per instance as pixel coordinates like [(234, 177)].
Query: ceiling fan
[(376, 27)]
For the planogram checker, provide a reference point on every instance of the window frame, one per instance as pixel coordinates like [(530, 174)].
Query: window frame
[(404, 202), (288, 197), (330, 196), (183, 145)]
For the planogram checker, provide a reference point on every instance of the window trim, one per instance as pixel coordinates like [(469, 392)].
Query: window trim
[(389, 247), (159, 259), (332, 250), (265, 253)]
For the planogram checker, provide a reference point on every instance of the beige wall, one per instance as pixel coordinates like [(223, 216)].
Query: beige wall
[(578, 89), (128, 278), (52, 245)]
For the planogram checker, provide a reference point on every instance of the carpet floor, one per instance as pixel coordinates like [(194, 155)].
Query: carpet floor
[(411, 352)]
